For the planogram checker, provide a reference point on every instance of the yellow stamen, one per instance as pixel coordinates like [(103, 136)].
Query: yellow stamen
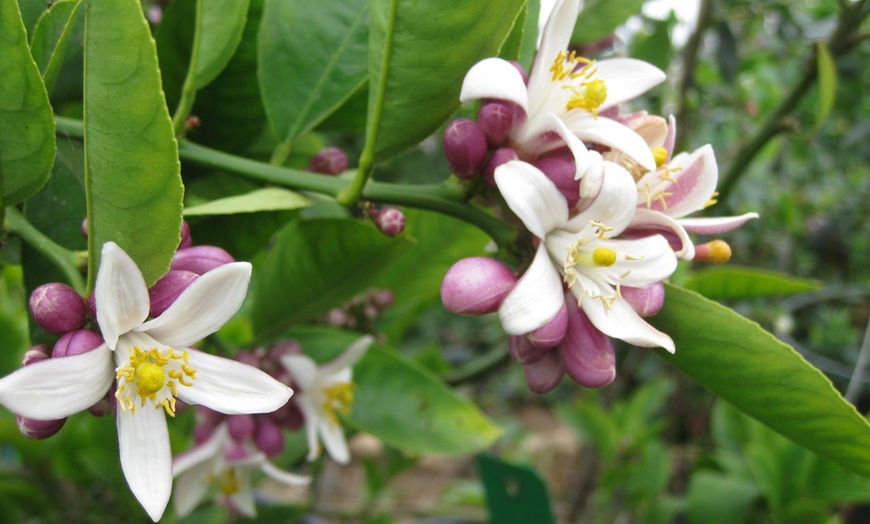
[(150, 378), (339, 399), (660, 155), (153, 375), (227, 481)]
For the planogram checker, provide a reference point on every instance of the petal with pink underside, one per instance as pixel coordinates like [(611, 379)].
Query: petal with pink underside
[(612, 134), (494, 78), (646, 222), (715, 226), (690, 184)]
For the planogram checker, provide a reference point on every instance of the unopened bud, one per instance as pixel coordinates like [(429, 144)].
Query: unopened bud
[(192, 122), (646, 301), (186, 239), (329, 161), (391, 221), (248, 357), (288, 416), (241, 427), (285, 347), (715, 251), (522, 70), (75, 343), (102, 407), (38, 429), (561, 170), (165, 291), (84, 227), (465, 147), (383, 298), (524, 351), (551, 333), (268, 437), (496, 118), (497, 158), (200, 259), (544, 374), (586, 353), (35, 354), (57, 308), (476, 286)]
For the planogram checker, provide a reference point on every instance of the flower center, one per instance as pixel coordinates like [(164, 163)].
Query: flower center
[(603, 257), (577, 75), (585, 262), (338, 399), (153, 375), (660, 155), (227, 481)]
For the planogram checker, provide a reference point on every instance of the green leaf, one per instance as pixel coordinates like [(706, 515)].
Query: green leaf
[(599, 18), (732, 498), (419, 53), (265, 199), (401, 402), (27, 145), (827, 72), (223, 23), (131, 157), (50, 37), (312, 60), (735, 282), (314, 266), (740, 362), (588, 419)]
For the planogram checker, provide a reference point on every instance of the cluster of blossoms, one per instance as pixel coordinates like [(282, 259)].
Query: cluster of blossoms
[(360, 312), (141, 362), (601, 195), (230, 447)]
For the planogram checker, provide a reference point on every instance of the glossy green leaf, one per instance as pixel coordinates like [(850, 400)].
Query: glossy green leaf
[(419, 53), (311, 61), (735, 282), (27, 145), (223, 22), (48, 45), (314, 266), (401, 402), (826, 69), (131, 156), (265, 199), (741, 363), (599, 18)]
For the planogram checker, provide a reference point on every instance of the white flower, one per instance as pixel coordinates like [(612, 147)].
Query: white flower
[(221, 463), (564, 96), (324, 391), (153, 365), (583, 251)]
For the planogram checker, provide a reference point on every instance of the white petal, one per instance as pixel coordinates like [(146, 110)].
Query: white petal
[(647, 222), (59, 387), (671, 137), (334, 440), (622, 322), (627, 78), (285, 477), (651, 260), (694, 182), (612, 134), (349, 356), (243, 499), (208, 450), (614, 205), (203, 307), (191, 488), (121, 294), (555, 38), (145, 457), (535, 300), (312, 418), (715, 226), (303, 369), (547, 133), (532, 196), (494, 78), (231, 387)]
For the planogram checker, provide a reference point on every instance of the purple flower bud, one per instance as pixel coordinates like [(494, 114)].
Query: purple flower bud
[(241, 427), (647, 301), (38, 429), (248, 357), (391, 221), (476, 286), (102, 407), (550, 334), (465, 147), (383, 298), (92, 305), (561, 170), (200, 259), (35, 354), (268, 437), (165, 291), (186, 239), (329, 161), (544, 374), (586, 353), (57, 308), (337, 317), (288, 416), (497, 158), (495, 119), (524, 351), (84, 227), (522, 70), (75, 343)]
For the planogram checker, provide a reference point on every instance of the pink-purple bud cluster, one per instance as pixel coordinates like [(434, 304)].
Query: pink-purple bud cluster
[(360, 312), (389, 220), (328, 161)]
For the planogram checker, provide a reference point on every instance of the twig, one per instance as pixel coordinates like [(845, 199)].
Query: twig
[(857, 378), (687, 74)]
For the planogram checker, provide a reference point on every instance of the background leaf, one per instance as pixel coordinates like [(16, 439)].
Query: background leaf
[(402, 403), (131, 156), (27, 146), (419, 53), (50, 37), (265, 199), (599, 18), (827, 71), (223, 22), (316, 265), (740, 362), (312, 60), (735, 282)]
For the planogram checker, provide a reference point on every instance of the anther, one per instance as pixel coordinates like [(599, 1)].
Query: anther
[(716, 251)]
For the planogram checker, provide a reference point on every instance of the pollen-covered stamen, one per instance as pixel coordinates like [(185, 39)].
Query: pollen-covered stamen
[(587, 96), (153, 375), (338, 398), (712, 200)]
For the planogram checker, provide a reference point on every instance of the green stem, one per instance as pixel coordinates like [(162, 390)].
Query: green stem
[(188, 90), (65, 260)]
